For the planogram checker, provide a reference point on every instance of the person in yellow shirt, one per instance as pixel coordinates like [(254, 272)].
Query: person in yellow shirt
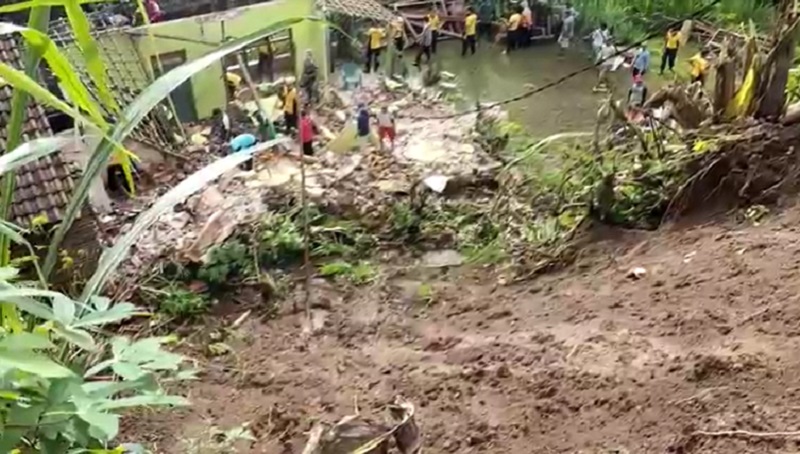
[(671, 44), (374, 46), (232, 83), (436, 24), (699, 65), (398, 26), (513, 36), (289, 106), (470, 32)]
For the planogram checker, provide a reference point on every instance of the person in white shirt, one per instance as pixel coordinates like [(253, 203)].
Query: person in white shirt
[(607, 63), (599, 38), (386, 127)]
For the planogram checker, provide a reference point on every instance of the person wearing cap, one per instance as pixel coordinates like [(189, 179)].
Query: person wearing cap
[(637, 95), (641, 61)]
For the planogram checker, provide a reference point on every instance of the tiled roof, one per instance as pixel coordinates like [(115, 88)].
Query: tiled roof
[(43, 187), (363, 9)]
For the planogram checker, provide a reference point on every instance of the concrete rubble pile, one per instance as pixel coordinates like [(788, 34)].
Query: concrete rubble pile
[(358, 182)]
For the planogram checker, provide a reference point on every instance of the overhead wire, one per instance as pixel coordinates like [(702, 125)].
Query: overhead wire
[(527, 94)]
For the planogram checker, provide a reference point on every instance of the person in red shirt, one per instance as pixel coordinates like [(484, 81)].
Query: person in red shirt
[(153, 10), (308, 129)]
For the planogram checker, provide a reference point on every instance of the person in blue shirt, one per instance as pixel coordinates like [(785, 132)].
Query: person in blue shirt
[(243, 142), (641, 62), (362, 125)]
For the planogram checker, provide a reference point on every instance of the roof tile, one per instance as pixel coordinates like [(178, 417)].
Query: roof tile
[(43, 186)]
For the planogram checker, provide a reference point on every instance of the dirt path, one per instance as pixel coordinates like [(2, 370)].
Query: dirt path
[(586, 361)]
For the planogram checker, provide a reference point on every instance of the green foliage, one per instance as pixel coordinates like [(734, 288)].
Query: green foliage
[(62, 389), (793, 85), (230, 260), (51, 404), (361, 273), (280, 239), (631, 20), (181, 303), (404, 220)]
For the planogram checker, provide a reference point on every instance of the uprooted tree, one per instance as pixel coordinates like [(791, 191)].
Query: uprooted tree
[(734, 145)]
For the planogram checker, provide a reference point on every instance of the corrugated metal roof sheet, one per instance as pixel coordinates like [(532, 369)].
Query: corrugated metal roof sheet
[(365, 9)]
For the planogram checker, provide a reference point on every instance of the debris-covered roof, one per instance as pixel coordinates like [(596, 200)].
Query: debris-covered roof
[(364, 9), (43, 187)]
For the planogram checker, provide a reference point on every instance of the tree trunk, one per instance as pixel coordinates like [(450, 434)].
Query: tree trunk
[(772, 96), (248, 79), (725, 83)]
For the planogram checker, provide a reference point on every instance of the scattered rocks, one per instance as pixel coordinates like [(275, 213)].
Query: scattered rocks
[(442, 259)]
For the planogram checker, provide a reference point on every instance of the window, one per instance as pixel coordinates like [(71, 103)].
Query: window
[(267, 60)]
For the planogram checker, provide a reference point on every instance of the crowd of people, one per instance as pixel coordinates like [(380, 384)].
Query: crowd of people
[(297, 121), (607, 58)]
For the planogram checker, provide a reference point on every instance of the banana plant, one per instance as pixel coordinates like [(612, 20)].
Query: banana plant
[(133, 115)]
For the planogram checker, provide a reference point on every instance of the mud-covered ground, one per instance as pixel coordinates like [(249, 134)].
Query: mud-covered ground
[(588, 360)]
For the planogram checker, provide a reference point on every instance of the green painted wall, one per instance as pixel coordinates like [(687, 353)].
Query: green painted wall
[(208, 86)]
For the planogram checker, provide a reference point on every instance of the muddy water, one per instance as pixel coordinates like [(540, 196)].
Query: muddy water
[(490, 75)]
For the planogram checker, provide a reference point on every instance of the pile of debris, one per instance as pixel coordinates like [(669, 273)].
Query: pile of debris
[(357, 183)]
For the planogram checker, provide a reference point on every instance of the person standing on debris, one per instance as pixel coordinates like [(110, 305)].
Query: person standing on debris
[(398, 26), (221, 124), (308, 129), (386, 127), (265, 60), (243, 142), (309, 78), (232, 83), (376, 35), (512, 34), (637, 95), (290, 106), (641, 61), (567, 32), (672, 43), (436, 25), (362, 126), (699, 65), (470, 39), (425, 42), (606, 65)]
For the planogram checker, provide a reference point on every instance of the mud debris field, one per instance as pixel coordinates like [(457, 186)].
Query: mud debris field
[(589, 360)]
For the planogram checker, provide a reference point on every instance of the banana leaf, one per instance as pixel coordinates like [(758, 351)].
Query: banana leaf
[(133, 115), (111, 258)]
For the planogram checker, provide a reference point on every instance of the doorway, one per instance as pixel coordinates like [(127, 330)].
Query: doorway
[(183, 96)]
